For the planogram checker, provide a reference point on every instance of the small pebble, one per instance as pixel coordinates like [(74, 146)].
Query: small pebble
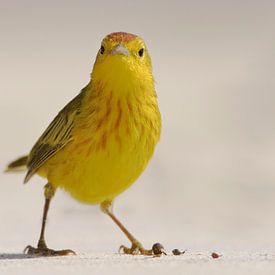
[(158, 249), (177, 252), (215, 255)]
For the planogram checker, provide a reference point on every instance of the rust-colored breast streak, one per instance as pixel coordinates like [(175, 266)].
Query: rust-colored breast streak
[(121, 36)]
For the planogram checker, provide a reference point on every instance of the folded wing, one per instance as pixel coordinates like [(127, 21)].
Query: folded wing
[(55, 137)]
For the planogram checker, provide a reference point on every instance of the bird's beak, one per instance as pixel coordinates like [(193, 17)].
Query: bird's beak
[(120, 49)]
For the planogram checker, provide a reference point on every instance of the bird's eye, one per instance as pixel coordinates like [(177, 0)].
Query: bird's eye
[(102, 50), (141, 52)]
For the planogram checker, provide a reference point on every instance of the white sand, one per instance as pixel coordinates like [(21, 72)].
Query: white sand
[(246, 246), (191, 263)]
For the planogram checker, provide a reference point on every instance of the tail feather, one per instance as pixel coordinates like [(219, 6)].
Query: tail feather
[(19, 164)]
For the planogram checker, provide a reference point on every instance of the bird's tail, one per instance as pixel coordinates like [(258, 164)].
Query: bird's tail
[(19, 164)]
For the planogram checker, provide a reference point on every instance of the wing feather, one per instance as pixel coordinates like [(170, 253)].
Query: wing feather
[(55, 137)]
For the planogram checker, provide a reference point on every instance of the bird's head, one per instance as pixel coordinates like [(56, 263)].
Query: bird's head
[(122, 57)]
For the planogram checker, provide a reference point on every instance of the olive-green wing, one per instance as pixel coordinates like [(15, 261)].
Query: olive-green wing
[(55, 137)]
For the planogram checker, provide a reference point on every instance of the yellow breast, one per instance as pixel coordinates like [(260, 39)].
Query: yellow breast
[(114, 138)]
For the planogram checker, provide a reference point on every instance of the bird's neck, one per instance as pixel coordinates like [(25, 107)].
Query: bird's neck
[(115, 115), (122, 79)]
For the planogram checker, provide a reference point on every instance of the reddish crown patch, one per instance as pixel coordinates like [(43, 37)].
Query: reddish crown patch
[(121, 36)]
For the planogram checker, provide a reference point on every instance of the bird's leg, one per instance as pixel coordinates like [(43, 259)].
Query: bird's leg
[(136, 247), (42, 249)]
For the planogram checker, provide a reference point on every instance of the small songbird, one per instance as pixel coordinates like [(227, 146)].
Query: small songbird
[(102, 140)]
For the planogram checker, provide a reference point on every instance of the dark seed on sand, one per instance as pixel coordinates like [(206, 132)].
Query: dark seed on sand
[(177, 252), (158, 249), (215, 255)]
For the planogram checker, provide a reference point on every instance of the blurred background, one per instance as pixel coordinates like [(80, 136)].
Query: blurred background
[(211, 183)]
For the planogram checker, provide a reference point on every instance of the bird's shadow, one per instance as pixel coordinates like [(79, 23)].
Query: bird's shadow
[(15, 256)]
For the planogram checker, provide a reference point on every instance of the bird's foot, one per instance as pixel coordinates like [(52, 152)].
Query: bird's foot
[(45, 252), (137, 249)]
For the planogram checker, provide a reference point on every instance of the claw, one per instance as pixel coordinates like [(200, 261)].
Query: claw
[(137, 249), (133, 250), (30, 250)]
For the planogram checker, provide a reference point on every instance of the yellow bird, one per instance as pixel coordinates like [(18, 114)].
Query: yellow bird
[(102, 140)]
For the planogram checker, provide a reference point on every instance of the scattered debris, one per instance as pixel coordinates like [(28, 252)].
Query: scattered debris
[(215, 255), (158, 249), (177, 252)]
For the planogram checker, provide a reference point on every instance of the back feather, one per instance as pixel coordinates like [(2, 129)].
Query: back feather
[(55, 137)]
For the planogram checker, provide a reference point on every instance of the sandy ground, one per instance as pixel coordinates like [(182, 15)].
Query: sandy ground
[(246, 244), (191, 263)]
